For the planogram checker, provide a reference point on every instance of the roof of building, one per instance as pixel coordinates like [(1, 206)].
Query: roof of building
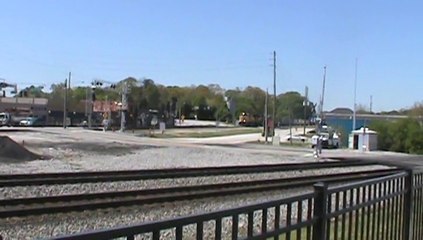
[(364, 130), (342, 111)]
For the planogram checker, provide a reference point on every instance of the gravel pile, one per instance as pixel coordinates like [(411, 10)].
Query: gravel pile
[(68, 159)]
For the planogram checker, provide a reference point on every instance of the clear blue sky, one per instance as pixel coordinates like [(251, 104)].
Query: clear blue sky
[(230, 43)]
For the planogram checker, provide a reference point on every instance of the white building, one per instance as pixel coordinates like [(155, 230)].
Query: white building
[(363, 139)]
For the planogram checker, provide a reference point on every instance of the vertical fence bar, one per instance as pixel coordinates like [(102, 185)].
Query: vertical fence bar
[(235, 220), (299, 217), (218, 229), (264, 220), (200, 230), (408, 206), (384, 212), (418, 209), (350, 221), (379, 209), (156, 234), (288, 219), (178, 233), (389, 217), (401, 209), (420, 201), (250, 224), (357, 213), (329, 210), (363, 213), (336, 218), (309, 216), (369, 212), (320, 211), (277, 219), (388, 210), (393, 215), (395, 210), (401, 206), (374, 196), (344, 206)]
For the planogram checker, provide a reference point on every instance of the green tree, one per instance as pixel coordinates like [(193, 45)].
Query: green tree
[(291, 105), (405, 135), (414, 140), (383, 134)]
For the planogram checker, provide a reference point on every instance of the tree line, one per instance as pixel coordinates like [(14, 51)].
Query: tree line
[(203, 102), (405, 135)]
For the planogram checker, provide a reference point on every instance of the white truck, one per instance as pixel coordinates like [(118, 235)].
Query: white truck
[(7, 119), (329, 138)]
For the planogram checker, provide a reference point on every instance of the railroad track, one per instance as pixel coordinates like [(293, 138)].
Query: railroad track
[(21, 207), (14, 180)]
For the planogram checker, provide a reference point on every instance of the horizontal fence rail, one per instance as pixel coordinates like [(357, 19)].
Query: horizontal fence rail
[(389, 207), (290, 216)]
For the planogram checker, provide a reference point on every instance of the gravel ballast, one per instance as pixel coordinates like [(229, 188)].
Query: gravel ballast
[(71, 159)]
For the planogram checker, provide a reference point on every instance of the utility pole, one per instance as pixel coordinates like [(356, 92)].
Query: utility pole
[(90, 106), (305, 109), (371, 103), (355, 94), (86, 102), (266, 131), (65, 106), (323, 94), (124, 106), (274, 95)]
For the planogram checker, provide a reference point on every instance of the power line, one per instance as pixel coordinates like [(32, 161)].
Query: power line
[(274, 96)]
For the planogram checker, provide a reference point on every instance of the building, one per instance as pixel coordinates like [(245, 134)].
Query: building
[(34, 107), (363, 139)]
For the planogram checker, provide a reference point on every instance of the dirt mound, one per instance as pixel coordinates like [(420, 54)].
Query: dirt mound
[(11, 150)]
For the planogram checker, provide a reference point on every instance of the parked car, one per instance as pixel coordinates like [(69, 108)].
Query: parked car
[(30, 121), (297, 138)]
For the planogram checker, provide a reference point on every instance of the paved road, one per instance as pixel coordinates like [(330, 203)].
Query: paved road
[(236, 142)]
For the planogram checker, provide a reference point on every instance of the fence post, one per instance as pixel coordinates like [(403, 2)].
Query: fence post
[(320, 211), (408, 205)]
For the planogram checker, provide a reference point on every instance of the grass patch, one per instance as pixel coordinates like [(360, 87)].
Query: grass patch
[(366, 223), (206, 133)]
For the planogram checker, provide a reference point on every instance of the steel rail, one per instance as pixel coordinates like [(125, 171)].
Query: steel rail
[(13, 180), (80, 202)]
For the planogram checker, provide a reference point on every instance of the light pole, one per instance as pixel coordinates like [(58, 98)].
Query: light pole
[(266, 130), (355, 95), (305, 103), (65, 104), (274, 95), (124, 106)]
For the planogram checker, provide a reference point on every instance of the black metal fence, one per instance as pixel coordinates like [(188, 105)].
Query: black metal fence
[(389, 207)]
